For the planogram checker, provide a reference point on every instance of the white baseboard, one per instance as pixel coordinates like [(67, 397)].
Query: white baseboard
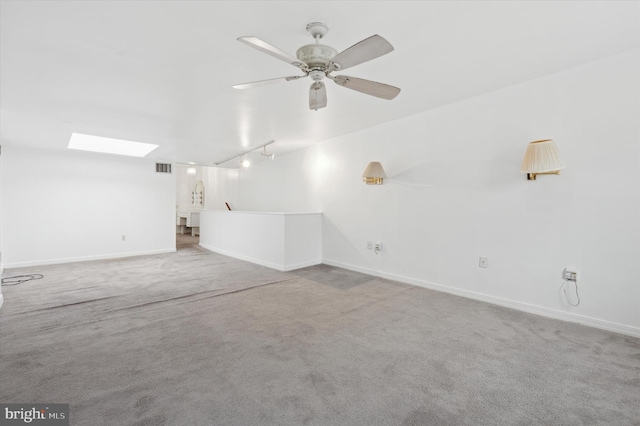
[(84, 258), (521, 306), (294, 266), (262, 262), (1, 296)]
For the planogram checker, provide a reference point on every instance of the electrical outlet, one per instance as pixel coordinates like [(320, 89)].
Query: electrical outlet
[(484, 262), (570, 274), (377, 247), (369, 245)]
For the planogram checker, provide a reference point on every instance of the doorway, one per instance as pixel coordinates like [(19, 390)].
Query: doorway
[(189, 202)]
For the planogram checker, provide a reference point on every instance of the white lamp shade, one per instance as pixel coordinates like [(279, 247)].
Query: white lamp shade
[(374, 170), (542, 156)]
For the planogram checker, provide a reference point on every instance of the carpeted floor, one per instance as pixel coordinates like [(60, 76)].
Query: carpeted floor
[(196, 338)]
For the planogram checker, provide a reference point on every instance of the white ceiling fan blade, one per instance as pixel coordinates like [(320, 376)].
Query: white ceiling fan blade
[(265, 82), (369, 87), (317, 96), (269, 49), (366, 50)]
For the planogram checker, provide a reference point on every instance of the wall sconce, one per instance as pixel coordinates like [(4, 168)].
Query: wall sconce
[(245, 162), (191, 170), (373, 174), (541, 158)]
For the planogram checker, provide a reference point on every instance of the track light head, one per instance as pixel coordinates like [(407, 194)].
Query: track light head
[(265, 154)]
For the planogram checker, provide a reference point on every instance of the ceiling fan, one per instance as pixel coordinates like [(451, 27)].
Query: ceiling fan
[(319, 61)]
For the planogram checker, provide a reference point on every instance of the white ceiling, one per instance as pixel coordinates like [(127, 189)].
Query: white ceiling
[(161, 71)]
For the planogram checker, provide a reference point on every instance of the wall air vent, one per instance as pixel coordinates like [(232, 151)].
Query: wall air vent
[(163, 167)]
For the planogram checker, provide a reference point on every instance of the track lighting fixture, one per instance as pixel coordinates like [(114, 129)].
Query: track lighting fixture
[(244, 161), (264, 153)]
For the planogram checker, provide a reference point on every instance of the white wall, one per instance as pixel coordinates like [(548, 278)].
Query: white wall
[(1, 214), (283, 241), (64, 206), (285, 184), (1, 258), (455, 193)]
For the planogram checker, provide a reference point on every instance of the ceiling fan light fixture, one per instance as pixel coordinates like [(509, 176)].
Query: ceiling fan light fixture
[(317, 96)]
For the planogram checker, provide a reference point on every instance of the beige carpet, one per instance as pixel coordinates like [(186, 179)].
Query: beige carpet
[(196, 338)]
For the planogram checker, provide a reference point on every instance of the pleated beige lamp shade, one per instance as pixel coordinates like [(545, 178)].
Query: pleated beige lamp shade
[(373, 174), (542, 157)]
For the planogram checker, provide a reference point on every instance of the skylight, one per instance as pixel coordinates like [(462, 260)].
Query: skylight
[(109, 146)]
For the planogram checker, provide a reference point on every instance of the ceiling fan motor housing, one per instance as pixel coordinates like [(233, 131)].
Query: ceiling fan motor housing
[(316, 55)]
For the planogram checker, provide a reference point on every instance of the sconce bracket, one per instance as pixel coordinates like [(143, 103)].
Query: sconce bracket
[(372, 181), (532, 176)]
